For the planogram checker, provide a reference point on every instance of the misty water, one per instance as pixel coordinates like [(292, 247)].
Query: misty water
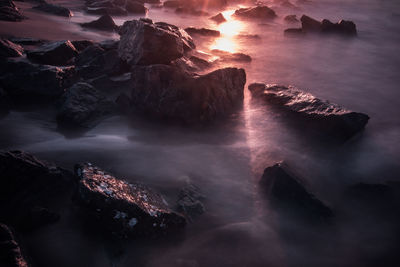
[(226, 160)]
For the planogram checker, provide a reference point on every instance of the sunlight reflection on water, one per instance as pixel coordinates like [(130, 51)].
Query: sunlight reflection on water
[(228, 30)]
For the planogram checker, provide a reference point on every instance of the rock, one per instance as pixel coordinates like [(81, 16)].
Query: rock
[(219, 18), (226, 56), (330, 118), (10, 250), (54, 9), (58, 53), (146, 43), (172, 3), (309, 24), (27, 41), (135, 7), (115, 10), (165, 92), (287, 193), (293, 32), (81, 45), (105, 23), (31, 190), (82, 107), (9, 11), (127, 209), (10, 49), (203, 32), (342, 27), (291, 19), (200, 63), (258, 12), (190, 201)]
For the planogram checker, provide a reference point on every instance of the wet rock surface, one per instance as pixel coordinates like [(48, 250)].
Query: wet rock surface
[(83, 107), (229, 57), (9, 11), (143, 42), (202, 31), (165, 92), (53, 9), (105, 23), (288, 194), (10, 250), (58, 53), (128, 209), (10, 49), (258, 12), (330, 118)]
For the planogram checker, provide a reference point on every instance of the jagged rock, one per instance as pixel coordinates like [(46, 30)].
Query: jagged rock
[(105, 23), (58, 53), (203, 31), (309, 24), (190, 201), (219, 18), (9, 12), (135, 7), (82, 107), (25, 82), (287, 193), (168, 93), (54, 9), (81, 45), (199, 62), (226, 56), (10, 251), (31, 190), (330, 118), (128, 209), (258, 12), (291, 19), (144, 43), (10, 49)]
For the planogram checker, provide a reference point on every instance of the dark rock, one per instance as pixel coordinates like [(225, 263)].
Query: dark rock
[(105, 23), (194, 4), (203, 31), (124, 208), (147, 43), (258, 12), (172, 3), (81, 45), (219, 18), (291, 19), (330, 118), (30, 188), (9, 12), (54, 9), (309, 24), (25, 82), (226, 56), (342, 27), (10, 251), (249, 36), (190, 201), (288, 193), (82, 107), (294, 32), (115, 10), (135, 7), (200, 63), (10, 49), (58, 53), (167, 93), (27, 41)]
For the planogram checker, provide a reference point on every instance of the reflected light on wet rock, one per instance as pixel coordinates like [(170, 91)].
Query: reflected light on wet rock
[(228, 30)]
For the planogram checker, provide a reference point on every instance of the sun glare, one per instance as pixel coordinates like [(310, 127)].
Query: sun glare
[(228, 30)]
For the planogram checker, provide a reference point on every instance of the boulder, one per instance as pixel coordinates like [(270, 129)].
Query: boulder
[(288, 194), (10, 49), (144, 43), (309, 24), (226, 56), (219, 18), (105, 23), (127, 209), (328, 117), (58, 53), (167, 93), (291, 19), (54, 9), (81, 45), (190, 201), (10, 251), (25, 82), (9, 11), (343, 27), (114, 10), (135, 7), (31, 190), (258, 12), (82, 107), (203, 32)]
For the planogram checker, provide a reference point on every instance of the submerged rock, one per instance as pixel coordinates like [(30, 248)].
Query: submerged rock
[(287, 193), (10, 49), (58, 53), (190, 201), (258, 12), (219, 18), (167, 93), (9, 11), (82, 107), (105, 23), (291, 19), (128, 209), (328, 117), (135, 7), (10, 251), (54, 9), (202, 31), (144, 43)]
